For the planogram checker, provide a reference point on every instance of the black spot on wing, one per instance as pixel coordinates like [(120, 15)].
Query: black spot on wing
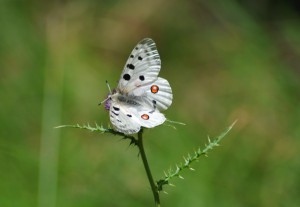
[(126, 77), (130, 66), (140, 58), (116, 108), (142, 78), (132, 56), (115, 113), (129, 115)]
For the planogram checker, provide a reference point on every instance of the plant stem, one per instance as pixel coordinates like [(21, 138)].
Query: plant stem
[(149, 175)]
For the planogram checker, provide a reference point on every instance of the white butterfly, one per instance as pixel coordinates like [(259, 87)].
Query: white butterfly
[(140, 94)]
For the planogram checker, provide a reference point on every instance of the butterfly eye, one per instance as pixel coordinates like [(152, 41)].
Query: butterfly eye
[(145, 116), (154, 89)]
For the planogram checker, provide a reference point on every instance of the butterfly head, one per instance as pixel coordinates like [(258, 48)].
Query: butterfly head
[(107, 101), (107, 104)]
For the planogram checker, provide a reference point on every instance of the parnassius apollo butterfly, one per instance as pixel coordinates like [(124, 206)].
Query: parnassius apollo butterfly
[(140, 95)]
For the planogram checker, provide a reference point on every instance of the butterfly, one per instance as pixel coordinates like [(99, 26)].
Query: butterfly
[(140, 95)]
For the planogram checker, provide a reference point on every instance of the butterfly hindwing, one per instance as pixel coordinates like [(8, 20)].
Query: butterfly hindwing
[(157, 94), (128, 118), (150, 119), (123, 119), (141, 68)]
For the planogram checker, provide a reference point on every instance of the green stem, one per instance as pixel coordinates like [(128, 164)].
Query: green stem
[(149, 175)]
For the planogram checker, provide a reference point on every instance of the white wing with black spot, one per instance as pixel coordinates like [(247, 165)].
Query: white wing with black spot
[(128, 119), (123, 119), (157, 94), (141, 68)]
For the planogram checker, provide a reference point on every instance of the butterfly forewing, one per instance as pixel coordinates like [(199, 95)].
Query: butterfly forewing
[(141, 68)]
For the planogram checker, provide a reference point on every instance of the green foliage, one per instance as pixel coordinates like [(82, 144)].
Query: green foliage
[(158, 186), (101, 129)]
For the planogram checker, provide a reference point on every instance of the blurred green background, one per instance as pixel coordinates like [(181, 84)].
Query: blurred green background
[(225, 60)]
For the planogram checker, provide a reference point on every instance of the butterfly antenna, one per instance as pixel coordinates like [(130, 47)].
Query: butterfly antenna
[(108, 96), (108, 87), (103, 101)]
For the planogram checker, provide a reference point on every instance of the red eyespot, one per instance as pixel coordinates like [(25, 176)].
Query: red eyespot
[(145, 116), (154, 89)]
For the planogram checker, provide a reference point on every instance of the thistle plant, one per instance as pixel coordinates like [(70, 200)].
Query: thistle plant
[(157, 186)]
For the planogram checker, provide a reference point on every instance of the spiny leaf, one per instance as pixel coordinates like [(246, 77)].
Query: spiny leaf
[(190, 159), (102, 130)]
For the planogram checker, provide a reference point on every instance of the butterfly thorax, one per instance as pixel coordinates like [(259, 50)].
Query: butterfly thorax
[(125, 99)]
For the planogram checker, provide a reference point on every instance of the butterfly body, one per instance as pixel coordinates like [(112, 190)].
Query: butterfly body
[(140, 94)]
